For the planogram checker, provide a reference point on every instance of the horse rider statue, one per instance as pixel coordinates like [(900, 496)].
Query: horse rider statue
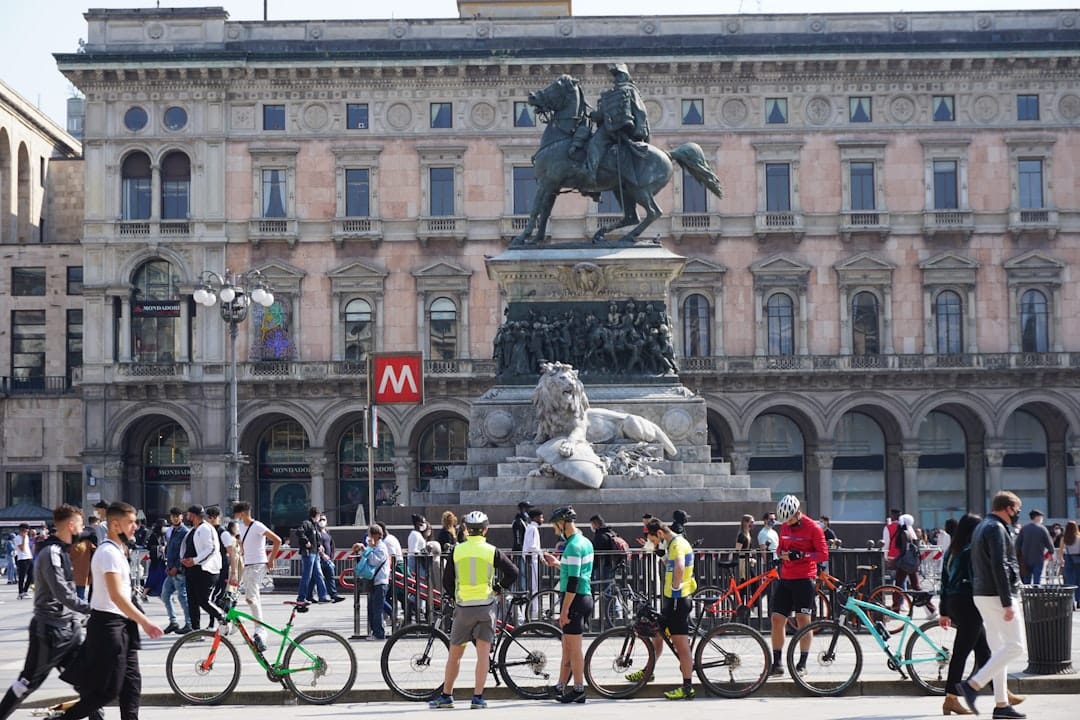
[(621, 115)]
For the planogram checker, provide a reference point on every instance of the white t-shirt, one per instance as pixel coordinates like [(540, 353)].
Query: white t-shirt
[(943, 541), (768, 539), (393, 546), (109, 558), (207, 547), (531, 543), (23, 547), (417, 542), (254, 539)]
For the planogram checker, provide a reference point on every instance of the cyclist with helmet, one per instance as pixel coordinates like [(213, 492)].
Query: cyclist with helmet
[(575, 569), (800, 548), (470, 579)]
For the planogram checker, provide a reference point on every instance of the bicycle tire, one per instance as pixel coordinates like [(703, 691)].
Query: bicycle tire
[(834, 662), (413, 661), (188, 671), (332, 674), (612, 656), (548, 605), (896, 599), (930, 669), (711, 607), (529, 659), (732, 661), (618, 611)]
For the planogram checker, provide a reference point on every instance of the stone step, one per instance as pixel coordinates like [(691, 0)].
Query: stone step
[(707, 467), (647, 482), (611, 496)]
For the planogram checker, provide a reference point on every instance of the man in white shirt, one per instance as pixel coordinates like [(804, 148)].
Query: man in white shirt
[(531, 550), (257, 562), (110, 667), (767, 539), (202, 558), (24, 559)]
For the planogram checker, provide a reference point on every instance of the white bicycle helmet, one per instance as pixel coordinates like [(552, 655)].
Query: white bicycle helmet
[(786, 508), (476, 520)]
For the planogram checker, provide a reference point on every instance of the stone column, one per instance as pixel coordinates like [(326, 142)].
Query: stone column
[(995, 456), (316, 460), (825, 487), (184, 354), (1075, 479), (910, 458), (740, 459), (125, 330)]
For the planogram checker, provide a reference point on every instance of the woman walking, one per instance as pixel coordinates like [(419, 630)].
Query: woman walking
[(1068, 557)]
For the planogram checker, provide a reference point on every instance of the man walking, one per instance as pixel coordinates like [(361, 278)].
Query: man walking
[(308, 540), (202, 563), (175, 582), (55, 630), (995, 585), (470, 577), (24, 559), (227, 548), (326, 562), (257, 562), (110, 663), (531, 552), (1033, 546), (575, 569), (518, 528)]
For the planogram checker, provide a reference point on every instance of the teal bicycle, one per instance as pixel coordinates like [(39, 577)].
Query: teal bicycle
[(835, 656), (317, 666)]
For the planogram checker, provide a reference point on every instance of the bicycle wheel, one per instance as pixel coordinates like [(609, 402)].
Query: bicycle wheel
[(712, 608), (413, 661), (320, 666), (834, 661), (732, 661), (894, 598), (202, 667), (544, 606), (818, 611), (929, 668), (529, 659), (619, 662), (618, 608)]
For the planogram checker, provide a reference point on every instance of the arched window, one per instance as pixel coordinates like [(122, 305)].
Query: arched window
[(166, 471), (175, 186), (776, 459), (135, 187), (353, 473), (696, 316), (358, 319), (25, 198), (864, 324), (1034, 323), (1024, 468), (859, 469), (948, 319), (284, 476), (442, 329), (941, 483), (442, 445), (780, 314), (155, 313)]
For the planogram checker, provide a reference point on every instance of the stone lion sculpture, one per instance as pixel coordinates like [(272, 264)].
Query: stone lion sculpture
[(566, 427)]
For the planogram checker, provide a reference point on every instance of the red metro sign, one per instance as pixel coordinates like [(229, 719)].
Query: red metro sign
[(398, 378)]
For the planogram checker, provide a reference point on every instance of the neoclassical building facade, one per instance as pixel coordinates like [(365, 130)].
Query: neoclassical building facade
[(876, 312)]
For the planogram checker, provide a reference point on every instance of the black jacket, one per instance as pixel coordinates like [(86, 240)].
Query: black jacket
[(55, 601), (994, 569), (521, 521)]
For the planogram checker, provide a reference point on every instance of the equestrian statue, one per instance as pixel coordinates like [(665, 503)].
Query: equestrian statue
[(593, 151)]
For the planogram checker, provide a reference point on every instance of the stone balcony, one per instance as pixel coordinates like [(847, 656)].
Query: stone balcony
[(695, 225), (1035, 223), (949, 222), (367, 229), (442, 227), (854, 222), (271, 370), (273, 230), (149, 230), (771, 224), (720, 365)]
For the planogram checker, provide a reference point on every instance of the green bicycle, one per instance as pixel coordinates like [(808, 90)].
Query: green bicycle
[(835, 656), (317, 666)]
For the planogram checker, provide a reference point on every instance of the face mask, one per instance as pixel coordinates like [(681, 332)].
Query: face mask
[(123, 538), (1014, 517), (322, 523)]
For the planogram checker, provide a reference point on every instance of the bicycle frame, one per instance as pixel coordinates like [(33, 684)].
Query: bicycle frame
[(735, 589), (236, 617), (856, 607)]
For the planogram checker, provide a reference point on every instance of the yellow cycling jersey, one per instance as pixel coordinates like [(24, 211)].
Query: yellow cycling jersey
[(679, 547)]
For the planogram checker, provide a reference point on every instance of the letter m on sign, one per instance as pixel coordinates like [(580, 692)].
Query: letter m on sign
[(398, 378)]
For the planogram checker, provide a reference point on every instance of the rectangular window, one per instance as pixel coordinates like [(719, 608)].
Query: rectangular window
[(776, 111), (28, 348), (73, 487), (862, 186), (24, 488), (945, 187), (356, 116), (357, 193), (609, 204), (1027, 107), (1031, 184), (174, 198), (859, 110), (273, 117), (442, 191), (524, 114), (74, 341), (524, 189), (28, 281), (442, 115), (777, 187), (942, 108), (74, 279), (693, 112), (273, 194), (135, 198), (693, 195)]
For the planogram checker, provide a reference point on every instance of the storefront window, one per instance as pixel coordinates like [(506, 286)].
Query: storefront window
[(353, 473), (442, 445), (284, 477), (776, 459), (155, 313), (942, 470), (858, 475), (166, 471)]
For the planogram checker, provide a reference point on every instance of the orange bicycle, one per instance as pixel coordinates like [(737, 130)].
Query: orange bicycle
[(714, 605)]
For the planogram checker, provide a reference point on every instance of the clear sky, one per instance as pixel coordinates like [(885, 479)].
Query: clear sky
[(32, 30)]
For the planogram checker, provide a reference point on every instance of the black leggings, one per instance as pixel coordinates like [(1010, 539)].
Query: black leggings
[(109, 669), (23, 567), (970, 635)]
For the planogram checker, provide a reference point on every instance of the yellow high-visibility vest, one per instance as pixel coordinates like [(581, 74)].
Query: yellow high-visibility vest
[(474, 566)]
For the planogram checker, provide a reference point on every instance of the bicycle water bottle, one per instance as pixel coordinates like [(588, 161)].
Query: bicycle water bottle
[(882, 630)]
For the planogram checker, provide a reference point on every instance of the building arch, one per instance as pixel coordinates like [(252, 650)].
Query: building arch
[(254, 420), (974, 413), (805, 412), (438, 442), (1058, 426), (721, 437), (131, 263), (337, 417), (141, 482), (24, 197), (885, 409), (1056, 415), (7, 178), (138, 416)]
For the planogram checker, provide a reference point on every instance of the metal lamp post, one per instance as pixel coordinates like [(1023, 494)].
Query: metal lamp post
[(233, 293)]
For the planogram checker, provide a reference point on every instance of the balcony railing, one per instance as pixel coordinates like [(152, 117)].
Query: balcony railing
[(171, 228), (142, 369), (357, 228), (864, 221), (943, 222), (605, 220), (779, 223), (127, 228), (827, 363), (695, 225), (1034, 222), (273, 229), (432, 228), (43, 385)]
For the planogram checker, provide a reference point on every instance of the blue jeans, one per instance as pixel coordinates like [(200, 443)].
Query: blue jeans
[(1072, 575), (175, 584), (307, 571), (326, 569), (1033, 574), (376, 601)]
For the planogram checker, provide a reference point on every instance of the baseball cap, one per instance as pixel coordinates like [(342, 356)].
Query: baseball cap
[(196, 510), (1035, 513)]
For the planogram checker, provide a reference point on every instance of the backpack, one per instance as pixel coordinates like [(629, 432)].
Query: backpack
[(908, 559)]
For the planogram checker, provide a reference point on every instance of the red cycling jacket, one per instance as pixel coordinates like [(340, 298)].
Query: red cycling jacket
[(807, 537)]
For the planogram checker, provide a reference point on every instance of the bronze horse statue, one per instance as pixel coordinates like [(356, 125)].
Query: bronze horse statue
[(634, 177)]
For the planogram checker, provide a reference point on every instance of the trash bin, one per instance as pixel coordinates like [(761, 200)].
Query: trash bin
[(1048, 612)]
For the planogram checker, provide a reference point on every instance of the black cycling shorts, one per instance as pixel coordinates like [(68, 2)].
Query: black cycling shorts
[(793, 596), (579, 614), (675, 615)]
